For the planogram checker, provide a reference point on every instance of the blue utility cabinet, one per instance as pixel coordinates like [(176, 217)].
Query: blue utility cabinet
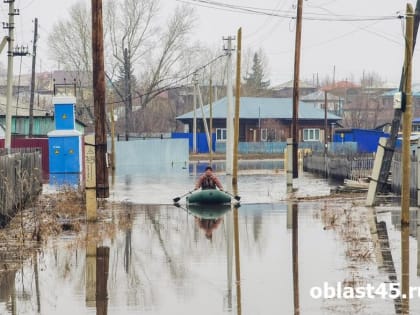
[(65, 144)]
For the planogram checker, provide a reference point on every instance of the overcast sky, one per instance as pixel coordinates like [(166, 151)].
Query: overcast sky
[(350, 47)]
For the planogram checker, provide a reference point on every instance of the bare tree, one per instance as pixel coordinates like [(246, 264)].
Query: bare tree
[(129, 26), (166, 60), (70, 40)]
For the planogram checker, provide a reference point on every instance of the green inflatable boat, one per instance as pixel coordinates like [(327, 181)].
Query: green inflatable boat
[(208, 197), (213, 211)]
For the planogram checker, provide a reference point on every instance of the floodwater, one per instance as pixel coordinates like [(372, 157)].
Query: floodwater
[(268, 256)]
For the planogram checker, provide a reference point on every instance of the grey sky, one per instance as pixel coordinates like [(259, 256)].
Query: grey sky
[(351, 46)]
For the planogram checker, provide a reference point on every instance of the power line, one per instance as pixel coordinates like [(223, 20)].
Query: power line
[(288, 14), (172, 85)]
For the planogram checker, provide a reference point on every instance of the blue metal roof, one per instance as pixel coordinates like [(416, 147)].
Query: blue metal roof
[(259, 107), (415, 91)]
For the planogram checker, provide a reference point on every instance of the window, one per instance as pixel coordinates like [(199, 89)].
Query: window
[(311, 134), (221, 134), (264, 134), (416, 128)]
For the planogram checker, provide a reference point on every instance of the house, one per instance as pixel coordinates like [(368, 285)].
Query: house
[(41, 125), (265, 119), (317, 99), (286, 89)]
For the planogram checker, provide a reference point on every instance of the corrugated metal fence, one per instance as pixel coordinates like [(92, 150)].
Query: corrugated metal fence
[(350, 166), (20, 181)]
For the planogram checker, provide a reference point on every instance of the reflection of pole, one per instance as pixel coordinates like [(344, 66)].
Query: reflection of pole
[(102, 267), (407, 120), (237, 262), (90, 267), (38, 297), (237, 105), (405, 268), (295, 254), (229, 260)]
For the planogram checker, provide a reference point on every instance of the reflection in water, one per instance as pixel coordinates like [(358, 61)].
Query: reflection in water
[(237, 261), (8, 291), (405, 268), (208, 218), (380, 239), (97, 268), (161, 263), (295, 255)]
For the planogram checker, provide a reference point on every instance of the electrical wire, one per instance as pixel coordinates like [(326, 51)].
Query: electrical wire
[(288, 14), (172, 85)]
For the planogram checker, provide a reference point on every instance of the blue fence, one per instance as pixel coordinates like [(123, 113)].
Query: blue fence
[(202, 146), (367, 140)]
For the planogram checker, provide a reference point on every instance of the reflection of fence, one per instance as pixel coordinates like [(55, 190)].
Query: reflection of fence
[(351, 166), (20, 181)]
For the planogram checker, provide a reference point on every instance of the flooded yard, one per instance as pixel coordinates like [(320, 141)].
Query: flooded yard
[(268, 256)]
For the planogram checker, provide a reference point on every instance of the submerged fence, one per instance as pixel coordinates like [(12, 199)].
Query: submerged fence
[(396, 175), (20, 181), (350, 166)]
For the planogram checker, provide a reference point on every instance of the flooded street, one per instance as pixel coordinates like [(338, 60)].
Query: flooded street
[(268, 256)]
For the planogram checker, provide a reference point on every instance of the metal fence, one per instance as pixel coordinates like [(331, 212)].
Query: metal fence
[(396, 174), (350, 166)]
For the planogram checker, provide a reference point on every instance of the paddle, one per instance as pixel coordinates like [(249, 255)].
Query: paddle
[(234, 197), (176, 199)]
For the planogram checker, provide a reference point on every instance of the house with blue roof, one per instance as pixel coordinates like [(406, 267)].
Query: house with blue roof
[(264, 119)]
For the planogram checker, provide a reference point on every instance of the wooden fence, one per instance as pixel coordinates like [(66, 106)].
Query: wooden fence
[(20, 181), (350, 166)]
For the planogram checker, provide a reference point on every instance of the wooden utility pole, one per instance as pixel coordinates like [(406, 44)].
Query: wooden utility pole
[(407, 118), (102, 186), (237, 107), (230, 108), (31, 100), (295, 120), (127, 98)]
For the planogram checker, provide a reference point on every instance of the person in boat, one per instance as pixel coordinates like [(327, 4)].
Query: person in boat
[(208, 180)]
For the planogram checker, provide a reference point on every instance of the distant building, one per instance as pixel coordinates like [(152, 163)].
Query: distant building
[(286, 89), (265, 119), (41, 125)]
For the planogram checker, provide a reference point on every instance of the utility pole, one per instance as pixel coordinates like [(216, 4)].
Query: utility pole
[(127, 84), (237, 107), (9, 93), (295, 120), (229, 114), (31, 100), (395, 126), (195, 114), (102, 186), (325, 123), (407, 119)]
